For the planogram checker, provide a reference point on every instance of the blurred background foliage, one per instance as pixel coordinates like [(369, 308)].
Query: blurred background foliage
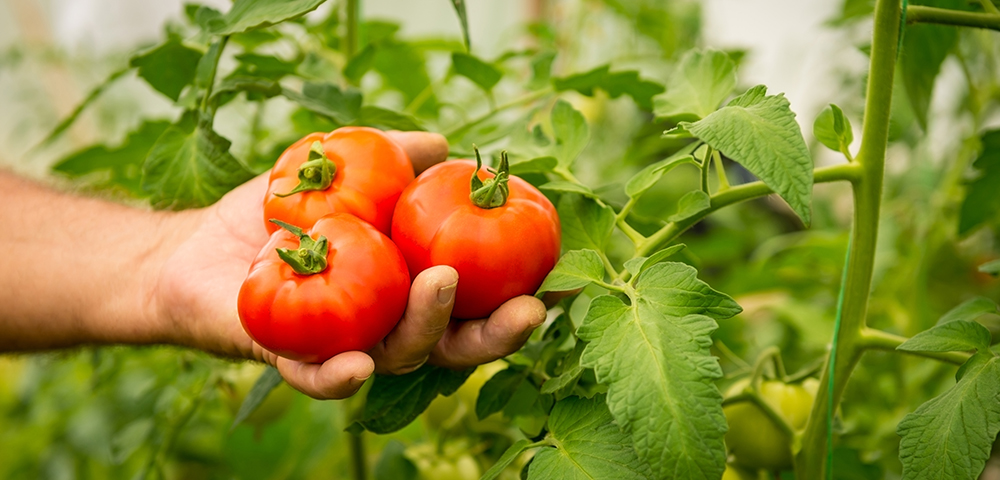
[(164, 412)]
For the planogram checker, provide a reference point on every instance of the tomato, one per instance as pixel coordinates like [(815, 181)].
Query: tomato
[(736, 473), (363, 173), (237, 384), (753, 439), (340, 286), (451, 462), (502, 243)]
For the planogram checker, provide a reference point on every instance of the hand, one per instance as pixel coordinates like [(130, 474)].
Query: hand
[(196, 293)]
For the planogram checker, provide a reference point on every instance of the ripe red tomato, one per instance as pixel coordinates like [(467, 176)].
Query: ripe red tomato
[(503, 244), (364, 175), (340, 286)]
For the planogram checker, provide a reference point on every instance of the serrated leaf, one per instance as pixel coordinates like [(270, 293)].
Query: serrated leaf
[(252, 14), (383, 118), (168, 67), (561, 186), (575, 269), (760, 133), (953, 336), (506, 459), (981, 203), (615, 84), (484, 75), (992, 268), (586, 224), (329, 100), (648, 176), (396, 400), (969, 310), (654, 357), (833, 129), (950, 436), (571, 131), (701, 81), (637, 265), (924, 49), (691, 204), (498, 390), (534, 165), (268, 380), (560, 386), (588, 445), (190, 166)]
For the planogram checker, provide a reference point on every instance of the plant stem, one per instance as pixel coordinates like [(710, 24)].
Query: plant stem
[(810, 461), (872, 338), (351, 42), (739, 193), (942, 16), (211, 78), (721, 171), (705, 164), (500, 108), (989, 7)]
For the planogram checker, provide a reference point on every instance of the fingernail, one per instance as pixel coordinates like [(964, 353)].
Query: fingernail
[(447, 294)]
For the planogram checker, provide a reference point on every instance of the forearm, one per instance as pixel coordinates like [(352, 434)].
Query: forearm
[(77, 270)]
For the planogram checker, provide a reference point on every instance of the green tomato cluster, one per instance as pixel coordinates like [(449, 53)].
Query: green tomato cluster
[(754, 440)]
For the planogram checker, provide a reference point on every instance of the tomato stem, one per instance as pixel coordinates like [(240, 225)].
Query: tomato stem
[(310, 257), (492, 193), (316, 173)]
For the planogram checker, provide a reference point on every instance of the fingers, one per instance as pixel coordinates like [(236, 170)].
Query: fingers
[(338, 377), (425, 149), (475, 342), (428, 312)]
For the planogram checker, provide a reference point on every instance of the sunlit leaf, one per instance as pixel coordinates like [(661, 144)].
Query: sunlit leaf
[(699, 83)]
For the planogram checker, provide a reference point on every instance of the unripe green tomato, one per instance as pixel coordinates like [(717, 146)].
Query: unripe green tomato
[(736, 473), (754, 440), (237, 384)]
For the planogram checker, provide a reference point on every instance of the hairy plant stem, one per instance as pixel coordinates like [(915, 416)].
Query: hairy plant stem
[(942, 16), (810, 461)]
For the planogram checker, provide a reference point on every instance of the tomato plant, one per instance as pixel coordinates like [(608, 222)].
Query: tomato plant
[(705, 221), (354, 170), (501, 235), (312, 294)]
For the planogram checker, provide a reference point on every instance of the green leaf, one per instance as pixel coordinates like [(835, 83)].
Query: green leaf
[(266, 66), (925, 47), (206, 69), (269, 380), (190, 166), (586, 223), (506, 459), (588, 445), (760, 133), (498, 390), (168, 68), (575, 269), (992, 268), (562, 385), (647, 177), (130, 153), (360, 64), (480, 72), (463, 20), (637, 265), (691, 204), (396, 400), (328, 100), (373, 116), (541, 69), (263, 87), (560, 186), (654, 357), (393, 465), (969, 310), (949, 337), (534, 165), (950, 436), (571, 131), (981, 203), (252, 14), (615, 84), (833, 129), (701, 81)]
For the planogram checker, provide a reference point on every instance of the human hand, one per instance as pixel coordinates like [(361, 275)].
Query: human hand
[(197, 287)]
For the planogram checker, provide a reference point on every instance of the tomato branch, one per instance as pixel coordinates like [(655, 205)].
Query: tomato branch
[(527, 99), (872, 338), (942, 16), (669, 232)]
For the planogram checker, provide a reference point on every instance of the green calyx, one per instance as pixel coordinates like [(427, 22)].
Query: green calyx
[(492, 193), (316, 173), (310, 257)]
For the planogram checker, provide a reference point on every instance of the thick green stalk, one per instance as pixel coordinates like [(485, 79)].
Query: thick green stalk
[(941, 16), (351, 42), (810, 461)]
